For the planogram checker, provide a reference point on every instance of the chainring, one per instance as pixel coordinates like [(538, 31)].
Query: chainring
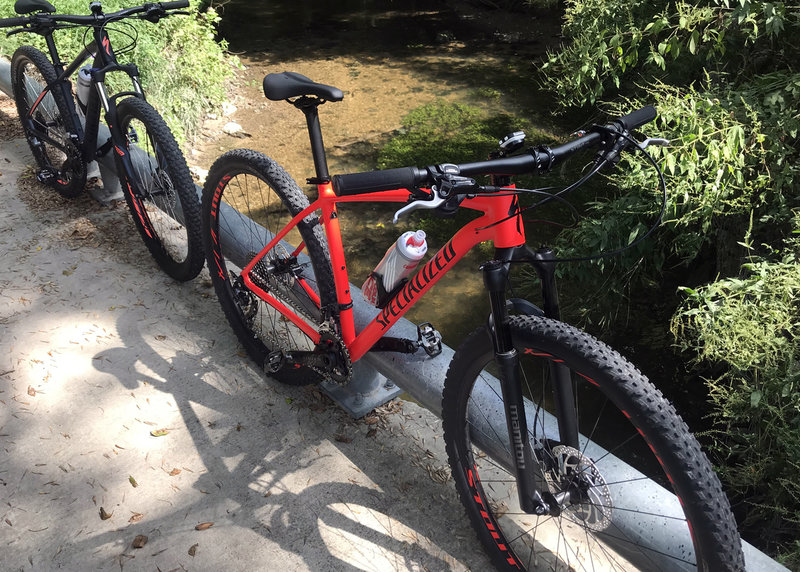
[(341, 371)]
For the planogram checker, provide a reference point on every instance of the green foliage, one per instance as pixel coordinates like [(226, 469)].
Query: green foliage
[(446, 132), (611, 40), (749, 329), (183, 68), (721, 74), (726, 165)]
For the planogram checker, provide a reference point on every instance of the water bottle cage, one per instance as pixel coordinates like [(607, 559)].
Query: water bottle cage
[(383, 296)]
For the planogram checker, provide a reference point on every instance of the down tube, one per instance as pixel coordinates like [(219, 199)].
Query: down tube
[(423, 280)]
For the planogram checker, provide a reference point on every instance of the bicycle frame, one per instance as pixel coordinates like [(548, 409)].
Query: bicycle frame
[(496, 224), (506, 234), (104, 61)]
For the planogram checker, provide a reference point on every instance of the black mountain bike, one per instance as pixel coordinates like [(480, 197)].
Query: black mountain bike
[(155, 179)]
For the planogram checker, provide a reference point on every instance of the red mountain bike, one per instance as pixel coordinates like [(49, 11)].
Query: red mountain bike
[(564, 455)]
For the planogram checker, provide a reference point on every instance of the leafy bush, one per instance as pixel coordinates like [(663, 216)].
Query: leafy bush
[(726, 166), (611, 40), (183, 68), (721, 74), (748, 331)]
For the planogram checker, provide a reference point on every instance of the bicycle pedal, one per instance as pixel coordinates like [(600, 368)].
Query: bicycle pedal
[(46, 176), (429, 339), (274, 362)]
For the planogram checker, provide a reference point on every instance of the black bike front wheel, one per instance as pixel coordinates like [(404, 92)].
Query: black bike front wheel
[(635, 493), (159, 190), (247, 199), (47, 121)]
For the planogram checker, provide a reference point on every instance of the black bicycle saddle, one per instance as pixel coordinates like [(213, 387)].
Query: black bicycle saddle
[(28, 6), (279, 86)]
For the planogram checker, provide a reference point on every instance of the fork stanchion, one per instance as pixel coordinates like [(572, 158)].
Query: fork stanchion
[(423, 378)]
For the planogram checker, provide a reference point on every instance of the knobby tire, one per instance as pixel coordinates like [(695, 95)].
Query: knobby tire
[(160, 193), (608, 522), (31, 71)]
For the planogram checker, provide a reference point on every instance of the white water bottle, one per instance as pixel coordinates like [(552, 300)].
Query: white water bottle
[(84, 85), (399, 261)]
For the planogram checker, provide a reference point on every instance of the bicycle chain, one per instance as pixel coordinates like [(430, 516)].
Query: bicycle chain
[(341, 372)]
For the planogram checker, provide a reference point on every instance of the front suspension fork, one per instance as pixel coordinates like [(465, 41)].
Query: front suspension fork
[(530, 479), (534, 495)]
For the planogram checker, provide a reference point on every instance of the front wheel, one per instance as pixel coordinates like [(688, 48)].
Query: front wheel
[(635, 493), (159, 190)]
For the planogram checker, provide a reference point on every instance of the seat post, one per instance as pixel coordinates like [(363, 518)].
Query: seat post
[(308, 106)]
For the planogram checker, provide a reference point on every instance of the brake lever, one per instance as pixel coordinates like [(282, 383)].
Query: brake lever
[(435, 202), (653, 141)]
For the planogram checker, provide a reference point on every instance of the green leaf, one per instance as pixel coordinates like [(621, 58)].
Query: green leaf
[(755, 398)]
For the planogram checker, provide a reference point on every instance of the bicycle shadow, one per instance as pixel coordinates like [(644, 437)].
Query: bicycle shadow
[(305, 478)]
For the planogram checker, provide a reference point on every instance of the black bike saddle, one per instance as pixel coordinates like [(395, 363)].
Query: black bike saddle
[(279, 86), (28, 6)]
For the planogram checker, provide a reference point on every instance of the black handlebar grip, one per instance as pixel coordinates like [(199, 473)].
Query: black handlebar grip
[(175, 5), (373, 181), (637, 118), (14, 22)]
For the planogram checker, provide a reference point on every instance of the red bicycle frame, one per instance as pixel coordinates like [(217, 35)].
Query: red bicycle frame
[(494, 225)]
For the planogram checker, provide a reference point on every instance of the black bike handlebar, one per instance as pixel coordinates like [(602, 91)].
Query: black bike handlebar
[(637, 118), (373, 181), (13, 22), (89, 20), (535, 160), (175, 5)]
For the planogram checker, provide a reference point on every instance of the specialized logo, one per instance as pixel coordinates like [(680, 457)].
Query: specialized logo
[(137, 204), (215, 215), (416, 285)]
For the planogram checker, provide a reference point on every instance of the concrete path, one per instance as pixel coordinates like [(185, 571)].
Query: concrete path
[(127, 411)]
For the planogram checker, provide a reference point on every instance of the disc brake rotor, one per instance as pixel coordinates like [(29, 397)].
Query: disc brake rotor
[(590, 501)]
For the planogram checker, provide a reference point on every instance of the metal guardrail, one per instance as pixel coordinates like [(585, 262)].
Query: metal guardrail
[(379, 375)]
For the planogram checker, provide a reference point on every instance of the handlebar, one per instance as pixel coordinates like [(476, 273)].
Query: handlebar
[(152, 11), (14, 22), (637, 118), (535, 160)]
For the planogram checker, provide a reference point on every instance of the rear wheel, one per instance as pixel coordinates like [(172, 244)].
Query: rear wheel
[(247, 200), (47, 121), (635, 493), (160, 191)]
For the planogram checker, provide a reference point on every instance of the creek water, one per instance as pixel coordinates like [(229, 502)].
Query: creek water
[(388, 57)]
